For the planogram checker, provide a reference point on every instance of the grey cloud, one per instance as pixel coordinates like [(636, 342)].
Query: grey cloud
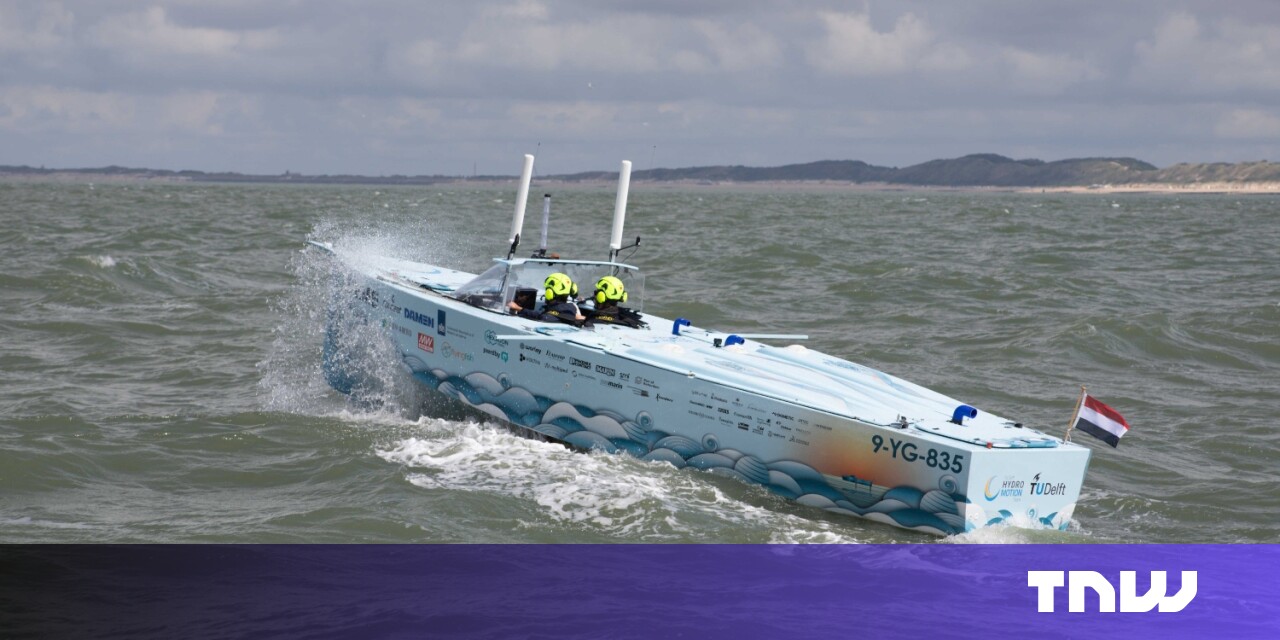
[(410, 87)]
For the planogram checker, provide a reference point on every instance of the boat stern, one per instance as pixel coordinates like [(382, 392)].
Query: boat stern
[(1027, 488)]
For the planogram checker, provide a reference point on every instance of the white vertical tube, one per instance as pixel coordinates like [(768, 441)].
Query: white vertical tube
[(620, 207), (546, 220), (517, 223)]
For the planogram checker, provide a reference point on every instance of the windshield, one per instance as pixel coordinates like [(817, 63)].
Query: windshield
[(522, 281), (486, 290)]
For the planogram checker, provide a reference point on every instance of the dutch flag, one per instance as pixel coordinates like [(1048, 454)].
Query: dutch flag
[(1101, 421)]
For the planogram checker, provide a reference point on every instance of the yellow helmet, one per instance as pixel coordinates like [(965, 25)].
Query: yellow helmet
[(559, 286), (610, 288)]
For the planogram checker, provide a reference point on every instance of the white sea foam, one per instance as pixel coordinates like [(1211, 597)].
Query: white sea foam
[(995, 534), (47, 524), (612, 495), (102, 261)]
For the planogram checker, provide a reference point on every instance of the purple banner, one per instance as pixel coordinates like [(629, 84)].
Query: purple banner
[(711, 591)]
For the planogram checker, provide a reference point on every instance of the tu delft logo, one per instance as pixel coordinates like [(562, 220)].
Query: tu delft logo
[(1076, 582)]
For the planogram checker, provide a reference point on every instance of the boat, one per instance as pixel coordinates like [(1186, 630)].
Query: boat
[(760, 408)]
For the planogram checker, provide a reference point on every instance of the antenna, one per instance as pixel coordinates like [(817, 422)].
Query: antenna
[(546, 221), (517, 222), (620, 209)]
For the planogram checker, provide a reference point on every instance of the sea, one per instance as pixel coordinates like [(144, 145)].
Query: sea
[(160, 356)]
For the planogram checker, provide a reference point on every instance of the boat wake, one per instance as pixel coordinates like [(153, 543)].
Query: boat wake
[(597, 497)]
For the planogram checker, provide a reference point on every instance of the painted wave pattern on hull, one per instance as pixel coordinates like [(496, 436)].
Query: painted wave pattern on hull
[(936, 511), (1052, 521)]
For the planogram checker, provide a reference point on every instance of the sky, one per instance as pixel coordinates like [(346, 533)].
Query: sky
[(424, 87)]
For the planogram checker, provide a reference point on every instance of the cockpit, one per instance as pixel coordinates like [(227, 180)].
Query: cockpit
[(521, 281)]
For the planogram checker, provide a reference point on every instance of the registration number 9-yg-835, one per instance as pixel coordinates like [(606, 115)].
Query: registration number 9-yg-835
[(908, 451)]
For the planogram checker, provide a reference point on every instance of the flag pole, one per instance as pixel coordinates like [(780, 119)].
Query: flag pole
[(1076, 414)]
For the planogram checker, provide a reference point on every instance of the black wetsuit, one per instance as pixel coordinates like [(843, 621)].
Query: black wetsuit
[(617, 315)]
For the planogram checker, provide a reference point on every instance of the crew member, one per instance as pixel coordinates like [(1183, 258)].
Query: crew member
[(609, 293), (559, 307)]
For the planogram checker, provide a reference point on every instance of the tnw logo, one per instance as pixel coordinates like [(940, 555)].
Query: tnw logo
[(1130, 601)]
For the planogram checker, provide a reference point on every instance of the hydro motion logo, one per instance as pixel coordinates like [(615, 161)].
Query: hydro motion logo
[(1006, 488)]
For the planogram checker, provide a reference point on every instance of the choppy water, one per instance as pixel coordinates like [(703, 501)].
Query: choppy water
[(159, 369)]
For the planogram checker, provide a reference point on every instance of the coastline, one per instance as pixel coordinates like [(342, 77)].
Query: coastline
[(1217, 187), (1242, 188)]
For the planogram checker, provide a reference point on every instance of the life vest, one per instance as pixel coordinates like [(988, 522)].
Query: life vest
[(562, 311), (618, 315)]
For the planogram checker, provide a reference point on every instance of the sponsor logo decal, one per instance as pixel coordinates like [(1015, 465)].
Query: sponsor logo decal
[(419, 318), (426, 343), (1039, 488), (556, 368), (448, 351), (554, 356), (491, 338), (495, 353), (440, 324), (529, 347), (531, 359), (610, 383), (608, 371), (580, 363)]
